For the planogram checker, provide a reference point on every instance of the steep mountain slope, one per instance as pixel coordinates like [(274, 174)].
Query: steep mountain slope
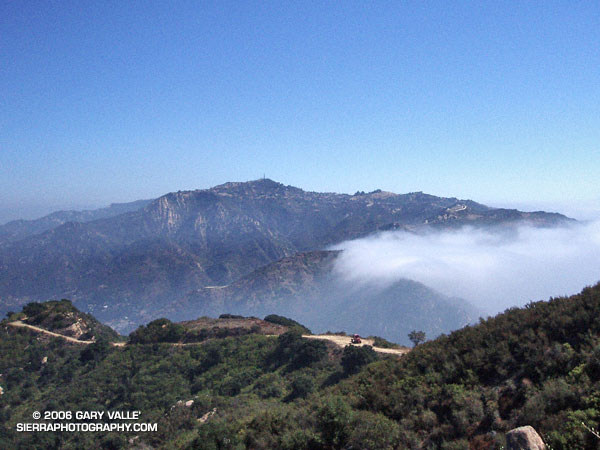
[(538, 366), (178, 387), (63, 318), (305, 287), (287, 283), (19, 229), (125, 267)]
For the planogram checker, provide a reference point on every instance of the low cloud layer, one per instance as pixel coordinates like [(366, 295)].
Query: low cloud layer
[(493, 270)]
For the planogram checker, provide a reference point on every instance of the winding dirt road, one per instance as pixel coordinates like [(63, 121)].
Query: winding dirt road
[(342, 341), (19, 324)]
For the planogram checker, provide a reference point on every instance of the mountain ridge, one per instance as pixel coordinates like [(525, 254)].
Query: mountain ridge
[(127, 266), (306, 286), (15, 230)]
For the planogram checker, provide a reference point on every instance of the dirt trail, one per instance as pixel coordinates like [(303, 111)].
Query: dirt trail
[(342, 341), (19, 324)]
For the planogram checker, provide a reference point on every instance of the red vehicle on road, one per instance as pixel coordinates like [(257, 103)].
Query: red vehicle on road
[(355, 339)]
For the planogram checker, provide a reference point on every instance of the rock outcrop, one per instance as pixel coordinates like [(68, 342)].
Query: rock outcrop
[(524, 438)]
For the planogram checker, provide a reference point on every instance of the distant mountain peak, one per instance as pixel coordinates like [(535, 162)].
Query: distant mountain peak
[(124, 266), (260, 186), (260, 182), (253, 187)]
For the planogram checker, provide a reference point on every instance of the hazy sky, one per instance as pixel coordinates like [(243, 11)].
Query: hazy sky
[(114, 101)]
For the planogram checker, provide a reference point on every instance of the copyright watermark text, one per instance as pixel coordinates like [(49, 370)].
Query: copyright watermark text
[(92, 421)]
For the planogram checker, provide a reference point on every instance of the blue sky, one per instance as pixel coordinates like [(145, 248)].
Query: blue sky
[(115, 101)]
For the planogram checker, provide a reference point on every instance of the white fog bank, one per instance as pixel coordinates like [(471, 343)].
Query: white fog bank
[(492, 270)]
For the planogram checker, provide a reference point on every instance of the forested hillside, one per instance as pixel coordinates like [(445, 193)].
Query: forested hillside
[(539, 366)]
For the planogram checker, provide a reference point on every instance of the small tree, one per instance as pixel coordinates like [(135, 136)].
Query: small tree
[(301, 385), (416, 337), (95, 352), (354, 358), (333, 421)]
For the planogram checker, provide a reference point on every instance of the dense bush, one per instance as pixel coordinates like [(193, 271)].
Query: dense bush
[(382, 343), (230, 316), (280, 320), (301, 385), (95, 352), (33, 309), (298, 352), (354, 358), (159, 330)]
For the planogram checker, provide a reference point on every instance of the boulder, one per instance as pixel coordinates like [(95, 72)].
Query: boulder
[(524, 438)]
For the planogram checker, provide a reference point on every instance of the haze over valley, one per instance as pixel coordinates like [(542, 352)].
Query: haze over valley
[(377, 262), (494, 268)]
